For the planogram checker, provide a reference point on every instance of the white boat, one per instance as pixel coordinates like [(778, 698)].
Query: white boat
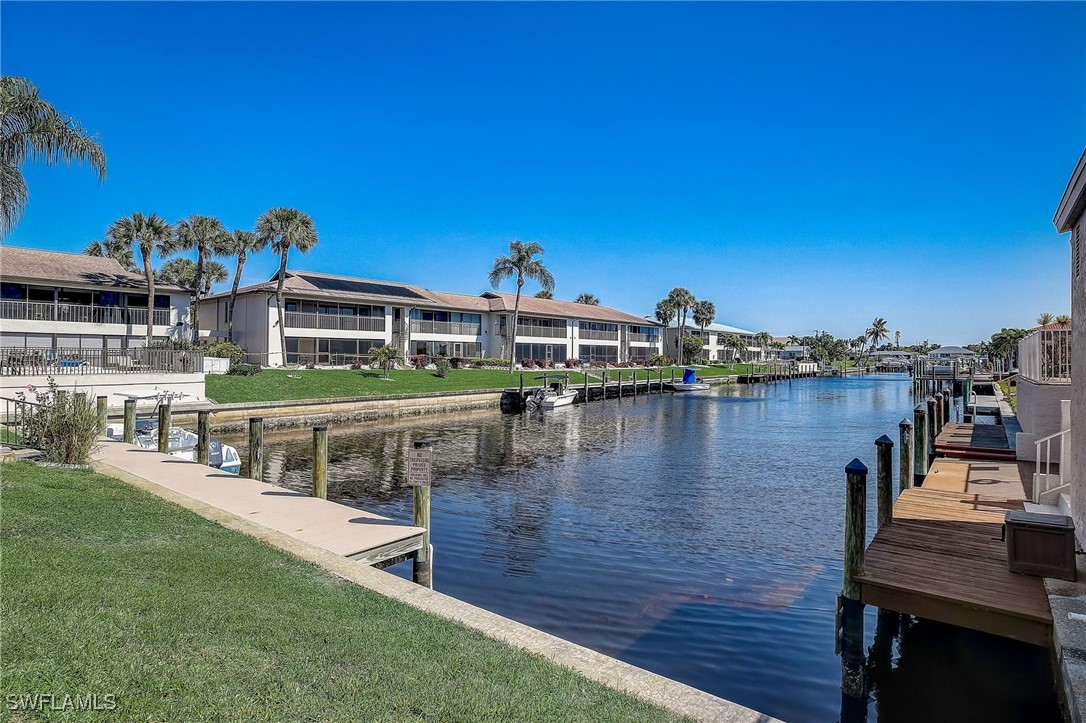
[(689, 383), (554, 396), (182, 443)]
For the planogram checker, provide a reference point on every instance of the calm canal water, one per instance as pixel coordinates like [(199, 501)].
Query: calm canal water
[(699, 536)]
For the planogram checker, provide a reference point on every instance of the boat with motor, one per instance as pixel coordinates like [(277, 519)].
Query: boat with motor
[(556, 395), (690, 383), (182, 443)]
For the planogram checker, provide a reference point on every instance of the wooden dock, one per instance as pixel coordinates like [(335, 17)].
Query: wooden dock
[(359, 535), (974, 441)]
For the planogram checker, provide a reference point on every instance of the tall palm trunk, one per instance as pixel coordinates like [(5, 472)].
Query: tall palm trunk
[(516, 316), (149, 272), (682, 333), (234, 298), (279, 303), (198, 294)]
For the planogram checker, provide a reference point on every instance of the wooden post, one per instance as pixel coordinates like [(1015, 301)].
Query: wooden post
[(130, 421), (320, 462), (422, 572), (584, 372), (203, 437), (884, 479), (933, 432), (633, 373), (855, 526), (256, 448), (920, 446), (905, 454), (520, 394), (103, 414), (940, 416), (603, 381), (81, 399), (164, 419)]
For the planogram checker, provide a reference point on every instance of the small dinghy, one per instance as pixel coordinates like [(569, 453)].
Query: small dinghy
[(690, 383)]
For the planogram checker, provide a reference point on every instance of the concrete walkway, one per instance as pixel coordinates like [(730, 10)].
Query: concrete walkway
[(337, 528)]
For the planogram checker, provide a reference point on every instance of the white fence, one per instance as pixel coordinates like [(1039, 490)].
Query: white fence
[(1045, 356)]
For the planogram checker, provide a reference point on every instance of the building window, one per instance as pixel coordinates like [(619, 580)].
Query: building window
[(542, 352), (598, 353)]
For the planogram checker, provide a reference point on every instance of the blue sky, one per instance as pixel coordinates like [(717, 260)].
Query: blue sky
[(803, 166)]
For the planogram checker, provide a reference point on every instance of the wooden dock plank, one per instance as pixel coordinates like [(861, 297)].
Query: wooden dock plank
[(942, 558)]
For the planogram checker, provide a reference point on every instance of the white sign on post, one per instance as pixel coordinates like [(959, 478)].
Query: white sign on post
[(418, 466)]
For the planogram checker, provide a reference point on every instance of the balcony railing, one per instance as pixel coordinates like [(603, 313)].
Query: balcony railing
[(305, 320), (594, 334), (650, 338), (1045, 356), (80, 313), (65, 360), (555, 332), (446, 327)]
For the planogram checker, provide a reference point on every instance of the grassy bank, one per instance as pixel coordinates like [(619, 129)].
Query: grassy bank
[(281, 384), (181, 619)]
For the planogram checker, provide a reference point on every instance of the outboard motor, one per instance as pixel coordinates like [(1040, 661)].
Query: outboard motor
[(214, 454)]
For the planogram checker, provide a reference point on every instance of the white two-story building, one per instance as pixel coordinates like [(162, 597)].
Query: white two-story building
[(54, 300), (332, 320)]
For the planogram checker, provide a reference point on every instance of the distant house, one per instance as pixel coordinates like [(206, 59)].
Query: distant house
[(332, 320), (50, 299), (712, 342), (797, 352), (948, 353), (1071, 217)]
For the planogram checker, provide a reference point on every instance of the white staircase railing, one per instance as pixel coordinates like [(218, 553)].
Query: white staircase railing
[(1047, 486)]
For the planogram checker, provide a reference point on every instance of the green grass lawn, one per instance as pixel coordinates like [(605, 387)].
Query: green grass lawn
[(282, 384), (109, 590)]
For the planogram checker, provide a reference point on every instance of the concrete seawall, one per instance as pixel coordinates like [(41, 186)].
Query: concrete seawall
[(307, 412)]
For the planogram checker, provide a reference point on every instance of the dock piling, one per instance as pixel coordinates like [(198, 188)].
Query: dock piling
[(855, 526), (103, 414), (920, 446), (256, 448), (164, 418), (203, 436), (884, 479), (422, 567), (320, 462), (932, 432), (905, 454), (130, 421)]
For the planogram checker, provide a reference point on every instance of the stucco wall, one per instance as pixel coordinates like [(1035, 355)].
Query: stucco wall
[(109, 385), (1076, 475), (1039, 415)]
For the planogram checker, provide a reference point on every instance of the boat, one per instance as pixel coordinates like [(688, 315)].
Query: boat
[(690, 383), (556, 395), (182, 443)]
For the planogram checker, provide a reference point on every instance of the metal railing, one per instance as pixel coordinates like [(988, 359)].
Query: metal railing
[(80, 313), (20, 361), (18, 421), (650, 338), (594, 334), (1047, 486), (1045, 356), (556, 332), (306, 320), (446, 327)]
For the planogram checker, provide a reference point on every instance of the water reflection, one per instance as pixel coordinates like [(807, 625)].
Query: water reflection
[(699, 536)]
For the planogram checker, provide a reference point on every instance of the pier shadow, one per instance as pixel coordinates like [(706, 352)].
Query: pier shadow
[(276, 493), (374, 523)]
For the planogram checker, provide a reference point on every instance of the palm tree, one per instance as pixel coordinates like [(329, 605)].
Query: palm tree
[(703, 313), (120, 254), (878, 331), (737, 345), (240, 244), (182, 272), (385, 357), (149, 234), (665, 314), (682, 300), (544, 294), (284, 229), (588, 299), (764, 339), (520, 263), (1064, 319), (33, 130), (209, 238), (1044, 318), (794, 340)]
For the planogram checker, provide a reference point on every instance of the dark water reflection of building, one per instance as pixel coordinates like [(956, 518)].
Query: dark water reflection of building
[(698, 536)]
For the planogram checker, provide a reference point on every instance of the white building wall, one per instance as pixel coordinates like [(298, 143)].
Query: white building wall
[(1076, 474)]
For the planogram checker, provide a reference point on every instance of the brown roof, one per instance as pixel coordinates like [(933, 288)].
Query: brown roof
[(1052, 326), (56, 267), (552, 307), (490, 301)]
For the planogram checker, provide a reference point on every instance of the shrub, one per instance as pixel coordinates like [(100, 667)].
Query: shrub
[(357, 363), (244, 370), (443, 366), (491, 362), (64, 427), (226, 350), (420, 361), (573, 363), (385, 357), (527, 363), (457, 362)]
